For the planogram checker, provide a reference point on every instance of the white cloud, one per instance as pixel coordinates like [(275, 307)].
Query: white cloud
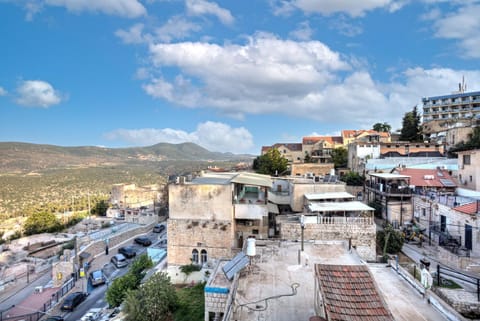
[(122, 8), (37, 93), (176, 27), (203, 7), (133, 35), (345, 27), (354, 8), (462, 25), (303, 32), (213, 136), (3, 92)]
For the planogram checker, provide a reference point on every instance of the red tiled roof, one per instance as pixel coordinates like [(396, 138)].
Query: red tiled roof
[(329, 139), (290, 146), (355, 133), (349, 293), (470, 208), (428, 177)]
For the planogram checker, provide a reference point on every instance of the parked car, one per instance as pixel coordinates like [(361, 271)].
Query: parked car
[(97, 278), (143, 240), (159, 228), (55, 318), (92, 315), (127, 251), (119, 260), (73, 300)]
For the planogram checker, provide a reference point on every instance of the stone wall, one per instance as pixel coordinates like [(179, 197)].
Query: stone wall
[(201, 202), (363, 236), (185, 235), (215, 302), (299, 190)]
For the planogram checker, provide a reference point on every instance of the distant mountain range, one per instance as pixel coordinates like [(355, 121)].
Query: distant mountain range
[(25, 157)]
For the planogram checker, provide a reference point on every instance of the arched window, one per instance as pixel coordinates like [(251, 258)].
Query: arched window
[(195, 256), (203, 256)]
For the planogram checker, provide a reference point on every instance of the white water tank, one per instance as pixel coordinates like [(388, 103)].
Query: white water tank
[(251, 251)]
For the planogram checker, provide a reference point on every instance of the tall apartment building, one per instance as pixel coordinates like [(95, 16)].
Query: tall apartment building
[(445, 116)]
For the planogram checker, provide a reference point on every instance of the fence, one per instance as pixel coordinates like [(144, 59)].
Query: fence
[(443, 272), (50, 303)]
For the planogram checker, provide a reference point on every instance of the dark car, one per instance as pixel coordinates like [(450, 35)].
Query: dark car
[(127, 251), (143, 240), (55, 318), (97, 278), (73, 300), (159, 228)]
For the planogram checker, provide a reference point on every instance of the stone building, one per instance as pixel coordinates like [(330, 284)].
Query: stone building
[(469, 169), (132, 196), (214, 213)]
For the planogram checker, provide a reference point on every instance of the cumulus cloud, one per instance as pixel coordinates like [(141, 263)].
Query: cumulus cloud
[(133, 35), (122, 8), (267, 75), (203, 7), (463, 26), (303, 32), (177, 27), (37, 93), (213, 136), (353, 8), (3, 92)]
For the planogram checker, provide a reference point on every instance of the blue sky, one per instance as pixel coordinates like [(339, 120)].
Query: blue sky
[(227, 75)]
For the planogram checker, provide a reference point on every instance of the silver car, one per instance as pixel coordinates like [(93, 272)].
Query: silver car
[(119, 260)]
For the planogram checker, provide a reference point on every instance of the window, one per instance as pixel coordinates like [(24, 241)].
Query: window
[(466, 159), (195, 256), (471, 178), (423, 212), (203, 255)]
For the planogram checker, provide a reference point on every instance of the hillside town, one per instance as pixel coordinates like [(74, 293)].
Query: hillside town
[(297, 244)]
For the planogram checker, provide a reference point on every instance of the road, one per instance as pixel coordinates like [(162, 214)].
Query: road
[(96, 298)]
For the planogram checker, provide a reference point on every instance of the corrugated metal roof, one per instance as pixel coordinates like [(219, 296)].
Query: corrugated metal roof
[(228, 178), (339, 206), (272, 208), (388, 175), (253, 179)]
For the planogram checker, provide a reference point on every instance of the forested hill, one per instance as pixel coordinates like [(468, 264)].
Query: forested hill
[(25, 157)]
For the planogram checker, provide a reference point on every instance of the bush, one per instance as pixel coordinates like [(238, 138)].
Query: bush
[(390, 240)]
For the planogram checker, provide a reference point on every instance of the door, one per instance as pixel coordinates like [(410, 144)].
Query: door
[(443, 223), (468, 236)]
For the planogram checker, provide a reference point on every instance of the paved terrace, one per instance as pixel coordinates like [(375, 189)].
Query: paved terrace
[(276, 287)]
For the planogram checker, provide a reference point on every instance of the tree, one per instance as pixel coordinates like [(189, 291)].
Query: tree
[(472, 143), (340, 157), (119, 288), (138, 267), (411, 129), (271, 163), (100, 208), (353, 179), (389, 240), (307, 158), (382, 127), (156, 300), (42, 222)]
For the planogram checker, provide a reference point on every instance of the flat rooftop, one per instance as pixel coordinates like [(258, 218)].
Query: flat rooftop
[(276, 287)]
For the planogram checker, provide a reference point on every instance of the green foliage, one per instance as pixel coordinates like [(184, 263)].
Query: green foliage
[(191, 303), (100, 208), (390, 240), (382, 127), (353, 179), (130, 281), (139, 265), (307, 158), (472, 143), (340, 157), (411, 129), (15, 236), (119, 288), (188, 269), (378, 208), (271, 163), (155, 300), (42, 223)]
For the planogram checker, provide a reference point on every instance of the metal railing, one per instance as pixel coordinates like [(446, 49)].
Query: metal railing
[(444, 272)]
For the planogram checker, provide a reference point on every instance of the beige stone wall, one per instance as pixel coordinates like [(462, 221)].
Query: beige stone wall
[(469, 174), (317, 169), (400, 212), (185, 235), (201, 202), (299, 191), (363, 236), (215, 302)]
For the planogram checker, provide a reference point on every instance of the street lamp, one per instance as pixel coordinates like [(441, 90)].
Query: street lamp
[(302, 225)]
